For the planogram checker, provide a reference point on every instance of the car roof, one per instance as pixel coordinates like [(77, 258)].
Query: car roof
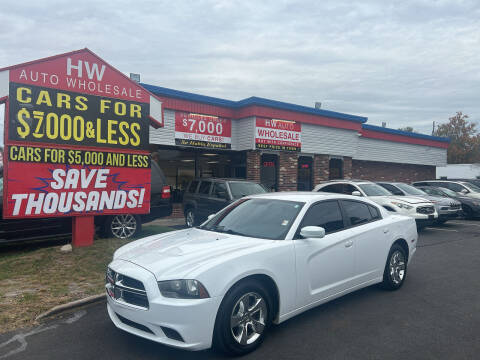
[(347, 181), (305, 196), (222, 179)]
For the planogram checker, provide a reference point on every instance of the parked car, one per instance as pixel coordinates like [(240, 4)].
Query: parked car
[(206, 196), (462, 187), (224, 283), (470, 207), (475, 182), (120, 226), (447, 208), (423, 211)]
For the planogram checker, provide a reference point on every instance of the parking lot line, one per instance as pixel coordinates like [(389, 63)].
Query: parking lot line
[(435, 228)]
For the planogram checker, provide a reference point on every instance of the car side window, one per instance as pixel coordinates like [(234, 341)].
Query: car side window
[(193, 186), (325, 214), (393, 189), (204, 188), (374, 212), (219, 190), (333, 188), (356, 212), (348, 189)]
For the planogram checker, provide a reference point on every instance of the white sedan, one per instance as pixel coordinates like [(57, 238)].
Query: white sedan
[(258, 262)]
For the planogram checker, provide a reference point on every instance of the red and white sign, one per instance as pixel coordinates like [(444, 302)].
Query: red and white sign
[(276, 134), (202, 131), (76, 138)]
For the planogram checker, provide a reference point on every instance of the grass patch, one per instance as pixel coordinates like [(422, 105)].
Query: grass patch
[(33, 281)]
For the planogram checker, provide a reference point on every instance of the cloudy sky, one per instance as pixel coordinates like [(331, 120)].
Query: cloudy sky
[(407, 63)]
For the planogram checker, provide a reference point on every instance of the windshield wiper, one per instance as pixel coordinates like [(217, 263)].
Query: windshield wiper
[(227, 231)]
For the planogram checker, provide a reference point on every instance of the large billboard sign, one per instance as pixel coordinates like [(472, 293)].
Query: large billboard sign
[(274, 134), (204, 131), (76, 138)]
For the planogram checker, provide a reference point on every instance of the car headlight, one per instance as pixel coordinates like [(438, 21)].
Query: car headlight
[(402, 205), (183, 289)]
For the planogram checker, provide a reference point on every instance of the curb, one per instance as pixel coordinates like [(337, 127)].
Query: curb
[(72, 305)]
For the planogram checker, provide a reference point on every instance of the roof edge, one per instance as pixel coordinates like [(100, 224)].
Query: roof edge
[(405, 133)]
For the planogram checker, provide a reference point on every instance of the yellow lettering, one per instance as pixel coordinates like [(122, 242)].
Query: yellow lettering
[(63, 99), (44, 98), (135, 142), (81, 103), (13, 153), (104, 105), (123, 140), (20, 95), (120, 108), (135, 109), (99, 132), (111, 132)]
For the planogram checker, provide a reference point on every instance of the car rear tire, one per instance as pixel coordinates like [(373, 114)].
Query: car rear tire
[(190, 218), (122, 226), (395, 269), (243, 319)]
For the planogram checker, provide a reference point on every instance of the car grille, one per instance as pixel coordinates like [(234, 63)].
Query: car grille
[(454, 206), (425, 210), (125, 289)]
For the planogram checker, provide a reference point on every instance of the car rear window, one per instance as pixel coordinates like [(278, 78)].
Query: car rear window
[(240, 189)]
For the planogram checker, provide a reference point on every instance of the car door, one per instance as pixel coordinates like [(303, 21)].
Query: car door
[(324, 266), (369, 233), (203, 204), (219, 197)]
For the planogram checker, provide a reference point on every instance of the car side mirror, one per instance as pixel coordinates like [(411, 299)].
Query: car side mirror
[(356, 193), (316, 232), (464, 191), (211, 216)]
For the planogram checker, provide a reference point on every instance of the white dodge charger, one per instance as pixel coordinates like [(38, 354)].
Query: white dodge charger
[(261, 260)]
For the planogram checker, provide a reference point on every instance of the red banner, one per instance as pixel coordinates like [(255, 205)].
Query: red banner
[(75, 190), (202, 131), (278, 134)]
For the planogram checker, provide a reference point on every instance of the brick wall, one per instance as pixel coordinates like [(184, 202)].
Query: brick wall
[(320, 169), (377, 171), (253, 166), (347, 167), (287, 171)]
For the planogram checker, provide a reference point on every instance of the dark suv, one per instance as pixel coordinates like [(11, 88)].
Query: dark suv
[(15, 230), (209, 195)]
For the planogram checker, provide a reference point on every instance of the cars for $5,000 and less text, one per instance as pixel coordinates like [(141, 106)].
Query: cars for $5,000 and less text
[(261, 260)]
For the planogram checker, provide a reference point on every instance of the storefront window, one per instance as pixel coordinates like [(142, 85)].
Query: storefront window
[(336, 169), (183, 165), (304, 181), (268, 171)]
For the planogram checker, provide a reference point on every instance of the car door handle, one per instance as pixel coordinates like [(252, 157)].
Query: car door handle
[(386, 231), (348, 243)]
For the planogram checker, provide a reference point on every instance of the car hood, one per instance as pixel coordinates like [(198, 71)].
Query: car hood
[(406, 199), (175, 254), (439, 200)]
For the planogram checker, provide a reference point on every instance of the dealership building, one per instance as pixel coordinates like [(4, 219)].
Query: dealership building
[(282, 145)]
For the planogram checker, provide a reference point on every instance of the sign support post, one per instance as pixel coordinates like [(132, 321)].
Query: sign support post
[(83, 230)]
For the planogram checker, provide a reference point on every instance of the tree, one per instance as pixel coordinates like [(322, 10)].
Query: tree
[(464, 139), (407, 128)]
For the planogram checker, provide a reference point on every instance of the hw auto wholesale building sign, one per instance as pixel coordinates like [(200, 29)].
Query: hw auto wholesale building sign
[(274, 134), (76, 139), (202, 131)]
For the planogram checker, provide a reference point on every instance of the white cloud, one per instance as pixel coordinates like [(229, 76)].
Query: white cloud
[(406, 63)]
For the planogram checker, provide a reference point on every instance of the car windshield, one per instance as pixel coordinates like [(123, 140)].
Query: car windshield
[(409, 189), (448, 192), (472, 187), (258, 218), (374, 190), (240, 189)]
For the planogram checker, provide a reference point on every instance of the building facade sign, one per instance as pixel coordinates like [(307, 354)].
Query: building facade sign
[(273, 134), (76, 139), (203, 131)]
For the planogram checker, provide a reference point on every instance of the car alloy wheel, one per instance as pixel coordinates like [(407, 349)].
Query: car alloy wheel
[(123, 226), (190, 218), (248, 318), (397, 267)]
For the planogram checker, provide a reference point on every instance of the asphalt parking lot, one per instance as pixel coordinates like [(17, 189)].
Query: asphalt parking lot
[(436, 315)]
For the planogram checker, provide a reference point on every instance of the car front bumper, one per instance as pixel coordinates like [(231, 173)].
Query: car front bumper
[(192, 319)]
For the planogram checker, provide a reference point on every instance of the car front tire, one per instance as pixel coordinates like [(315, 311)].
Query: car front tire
[(395, 269), (122, 226), (243, 319)]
